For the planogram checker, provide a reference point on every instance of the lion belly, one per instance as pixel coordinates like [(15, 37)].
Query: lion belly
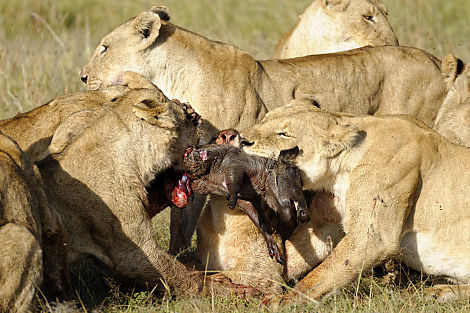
[(431, 254)]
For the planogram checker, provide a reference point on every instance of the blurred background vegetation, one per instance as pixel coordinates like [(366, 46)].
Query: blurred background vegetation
[(44, 43)]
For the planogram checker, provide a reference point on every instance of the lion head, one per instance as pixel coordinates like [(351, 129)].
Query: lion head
[(358, 23), (281, 130), (124, 49), (329, 26)]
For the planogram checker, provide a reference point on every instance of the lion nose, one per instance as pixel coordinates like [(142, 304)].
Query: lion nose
[(84, 78)]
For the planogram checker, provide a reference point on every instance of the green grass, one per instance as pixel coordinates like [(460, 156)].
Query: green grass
[(370, 294), (44, 44)]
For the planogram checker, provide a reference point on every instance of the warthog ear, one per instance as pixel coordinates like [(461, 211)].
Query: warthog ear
[(289, 155), (344, 138), (147, 25), (451, 68), (155, 113), (162, 11)]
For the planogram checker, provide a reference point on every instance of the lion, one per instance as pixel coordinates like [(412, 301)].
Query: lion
[(104, 169), (31, 235), (232, 90), (44, 120), (331, 26), (453, 120), (407, 197)]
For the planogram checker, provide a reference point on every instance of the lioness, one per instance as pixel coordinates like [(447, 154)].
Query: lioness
[(31, 236), (104, 169), (400, 189), (33, 130), (194, 69), (330, 26), (232, 90), (453, 120)]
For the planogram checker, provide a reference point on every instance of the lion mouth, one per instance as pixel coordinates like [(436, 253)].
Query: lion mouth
[(93, 86), (168, 188)]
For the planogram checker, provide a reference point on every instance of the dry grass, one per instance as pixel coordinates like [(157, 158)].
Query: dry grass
[(44, 44)]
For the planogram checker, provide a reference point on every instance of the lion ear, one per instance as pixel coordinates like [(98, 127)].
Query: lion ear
[(147, 25), (10, 147), (65, 133), (155, 113), (162, 11), (451, 68), (134, 80), (381, 7), (338, 5), (343, 139)]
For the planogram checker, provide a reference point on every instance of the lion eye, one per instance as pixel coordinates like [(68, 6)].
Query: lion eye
[(246, 143), (368, 18), (283, 135), (103, 50)]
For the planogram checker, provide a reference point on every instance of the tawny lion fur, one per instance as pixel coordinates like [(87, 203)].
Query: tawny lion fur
[(331, 26), (230, 89), (453, 120), (400, 189), (31, 235), (96, 160)]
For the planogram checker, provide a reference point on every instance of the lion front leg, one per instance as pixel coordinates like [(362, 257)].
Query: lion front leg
[(444, 293), (183, 223), (373, 222), (368, 242), (347, 261)]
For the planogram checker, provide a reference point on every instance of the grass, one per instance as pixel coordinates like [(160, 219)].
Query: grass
[(370, 294), (44, 44)]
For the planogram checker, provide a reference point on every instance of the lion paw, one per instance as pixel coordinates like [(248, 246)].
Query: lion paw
[(444, 293), (220, 284), (276, 302)]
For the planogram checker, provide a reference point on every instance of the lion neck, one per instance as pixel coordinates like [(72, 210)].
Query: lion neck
[(166, 66), (182, 63)]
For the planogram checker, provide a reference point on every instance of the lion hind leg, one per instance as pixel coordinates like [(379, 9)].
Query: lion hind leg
[(257, 269), (20, 268)]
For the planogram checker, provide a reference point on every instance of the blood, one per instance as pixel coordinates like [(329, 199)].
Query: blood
[(179, 193)]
